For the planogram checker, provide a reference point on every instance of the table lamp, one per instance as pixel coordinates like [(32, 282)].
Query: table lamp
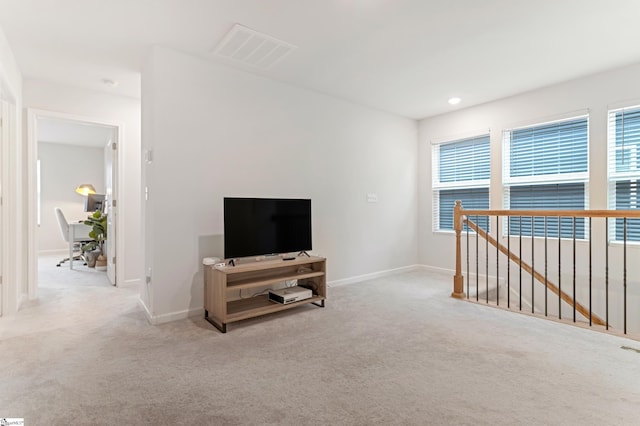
[(85, 189)]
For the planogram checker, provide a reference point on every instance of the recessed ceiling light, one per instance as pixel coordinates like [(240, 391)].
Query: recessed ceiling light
[(454, 101), (109, 82)]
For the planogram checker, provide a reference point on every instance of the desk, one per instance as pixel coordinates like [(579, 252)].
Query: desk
[(78, 233)]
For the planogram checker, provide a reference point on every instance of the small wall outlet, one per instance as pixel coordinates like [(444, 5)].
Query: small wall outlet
[(372, 197)]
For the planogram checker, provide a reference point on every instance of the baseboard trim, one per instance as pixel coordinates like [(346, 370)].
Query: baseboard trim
[(437, 270), (373, 275), (145, 309), (172, 316), (131, 283)]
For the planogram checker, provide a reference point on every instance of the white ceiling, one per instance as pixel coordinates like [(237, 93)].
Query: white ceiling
[(55, 130), (403, 56)]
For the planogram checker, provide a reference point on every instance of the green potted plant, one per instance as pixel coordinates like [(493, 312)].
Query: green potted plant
[(98, 223)]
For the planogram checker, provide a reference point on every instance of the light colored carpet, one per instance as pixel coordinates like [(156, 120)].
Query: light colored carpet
[(390, 351)]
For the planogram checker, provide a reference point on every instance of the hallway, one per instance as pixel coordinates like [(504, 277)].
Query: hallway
[(66, 297)]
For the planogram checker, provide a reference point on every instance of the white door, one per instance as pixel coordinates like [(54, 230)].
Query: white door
[(111, 171)]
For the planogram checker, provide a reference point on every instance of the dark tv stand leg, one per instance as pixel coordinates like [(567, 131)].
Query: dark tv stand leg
[(303, 252), (221, 327), (321, 304)]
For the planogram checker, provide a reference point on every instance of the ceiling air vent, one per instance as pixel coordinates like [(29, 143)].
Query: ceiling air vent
[(249, 47)]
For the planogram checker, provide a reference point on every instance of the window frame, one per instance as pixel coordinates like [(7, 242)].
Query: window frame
[(509, 182), (437, 186), (613, 176)]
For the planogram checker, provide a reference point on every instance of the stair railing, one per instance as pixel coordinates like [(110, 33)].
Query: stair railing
[(570, 227)]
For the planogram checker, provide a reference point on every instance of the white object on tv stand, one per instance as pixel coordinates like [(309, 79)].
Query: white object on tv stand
[(221, 279)]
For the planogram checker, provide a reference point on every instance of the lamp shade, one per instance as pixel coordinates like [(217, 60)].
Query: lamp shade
[(85, 189)]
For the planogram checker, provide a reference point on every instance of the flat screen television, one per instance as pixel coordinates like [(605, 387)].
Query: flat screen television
[(266, 226)]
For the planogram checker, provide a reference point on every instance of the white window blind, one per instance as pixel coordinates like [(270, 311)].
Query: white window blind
[(624, 169), (546, 167), (461, 171)]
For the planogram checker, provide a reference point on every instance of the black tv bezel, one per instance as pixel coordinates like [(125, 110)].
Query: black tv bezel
[(274, 253)]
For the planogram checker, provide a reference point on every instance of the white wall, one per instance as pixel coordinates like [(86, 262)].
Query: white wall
[(595, 94), (216, 131), (118, 109), (62, 168), (10, 76)]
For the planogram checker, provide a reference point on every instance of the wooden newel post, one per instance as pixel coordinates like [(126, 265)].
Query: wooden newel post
[(458, 279)]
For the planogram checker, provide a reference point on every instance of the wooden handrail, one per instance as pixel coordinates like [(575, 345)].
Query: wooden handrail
[(539, 277), (633, 214)]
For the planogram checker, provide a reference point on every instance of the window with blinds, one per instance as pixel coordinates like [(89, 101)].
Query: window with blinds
[(624, 169), (546, 167), (461, 171)]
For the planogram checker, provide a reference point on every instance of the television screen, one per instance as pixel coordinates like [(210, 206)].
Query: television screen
[(263, 226)]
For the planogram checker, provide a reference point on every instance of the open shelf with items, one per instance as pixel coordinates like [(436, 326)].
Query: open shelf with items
[(220, 281)]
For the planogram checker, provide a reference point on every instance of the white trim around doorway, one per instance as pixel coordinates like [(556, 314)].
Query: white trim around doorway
[(32, 157)]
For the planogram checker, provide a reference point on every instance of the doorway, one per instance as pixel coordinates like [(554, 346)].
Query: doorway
[(86, 151)]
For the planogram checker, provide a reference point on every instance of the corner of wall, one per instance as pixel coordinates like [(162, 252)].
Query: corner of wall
[(169, 317)]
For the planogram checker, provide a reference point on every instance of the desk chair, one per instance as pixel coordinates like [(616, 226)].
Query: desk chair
[(75, 234)]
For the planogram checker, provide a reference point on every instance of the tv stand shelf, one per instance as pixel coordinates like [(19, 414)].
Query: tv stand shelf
[(251, 283), (220, 281)]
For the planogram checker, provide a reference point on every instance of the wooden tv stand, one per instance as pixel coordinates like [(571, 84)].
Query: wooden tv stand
[(310, 272)]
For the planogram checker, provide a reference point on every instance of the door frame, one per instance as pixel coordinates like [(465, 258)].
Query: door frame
[(11, 201), (33, 115), (111, 158)]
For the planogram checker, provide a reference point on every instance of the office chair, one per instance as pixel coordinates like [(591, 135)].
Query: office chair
[(75, 235)]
